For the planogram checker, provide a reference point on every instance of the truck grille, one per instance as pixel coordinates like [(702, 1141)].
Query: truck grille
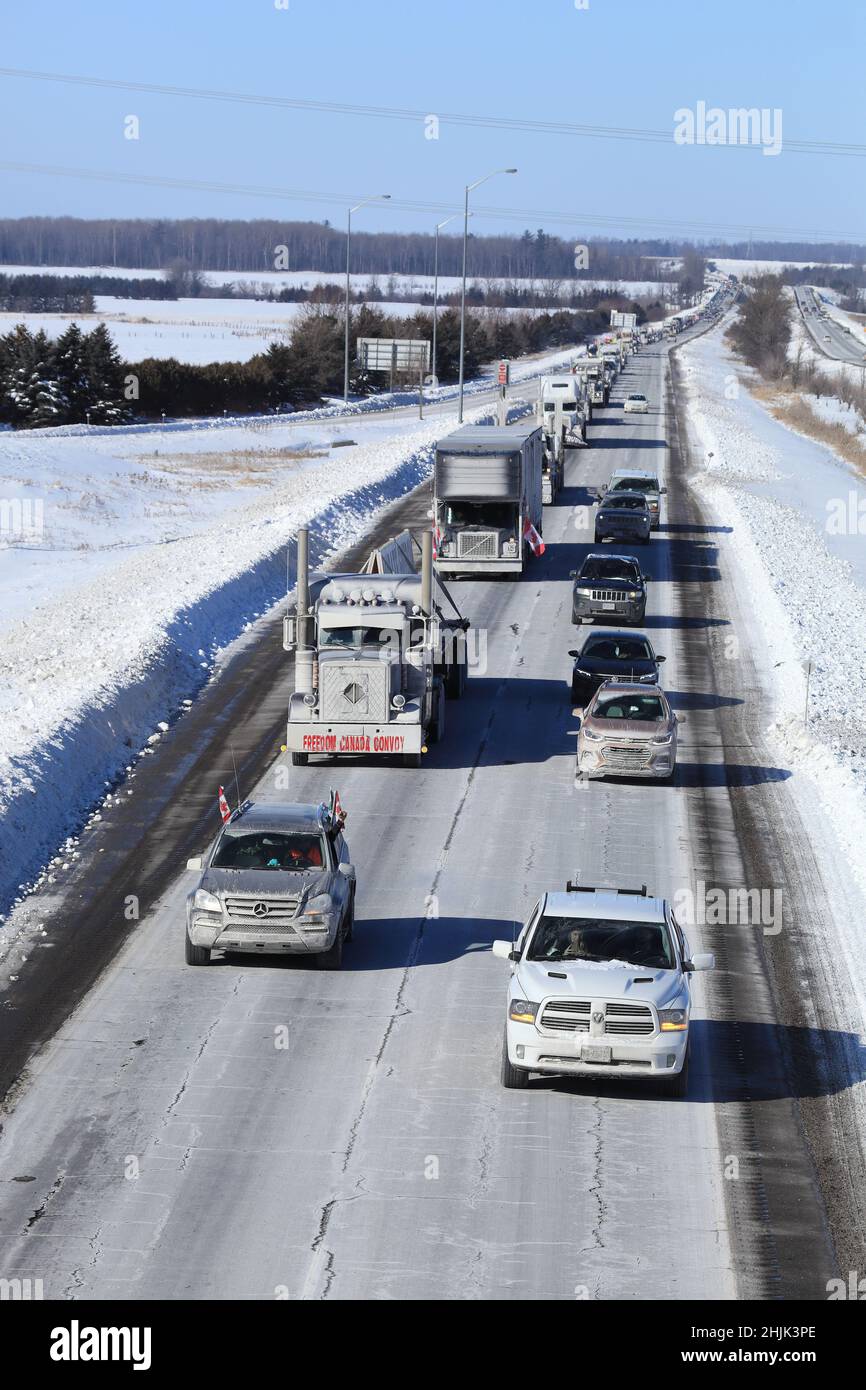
[(626, 757), (566, 1015), (477, 545), (258, 911), (354, 693), (573, 1016)]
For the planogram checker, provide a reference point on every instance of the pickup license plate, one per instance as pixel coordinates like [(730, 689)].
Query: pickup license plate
[(595, 1054), (608, 603)]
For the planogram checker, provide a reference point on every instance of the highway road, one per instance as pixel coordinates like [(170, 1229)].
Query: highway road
[(829, 336), (165, 1143)]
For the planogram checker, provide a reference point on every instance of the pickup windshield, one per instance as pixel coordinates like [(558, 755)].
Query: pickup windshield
[(634, 485), (270, 850), (597, 939)]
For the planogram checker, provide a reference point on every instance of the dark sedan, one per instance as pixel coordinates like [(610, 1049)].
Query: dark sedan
[(612, 656)]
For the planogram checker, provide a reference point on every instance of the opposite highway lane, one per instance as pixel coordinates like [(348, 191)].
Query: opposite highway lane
[(166, 1144)]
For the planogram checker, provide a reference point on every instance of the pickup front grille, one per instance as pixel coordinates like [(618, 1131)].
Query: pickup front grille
[(477, 545), (620, 1020)]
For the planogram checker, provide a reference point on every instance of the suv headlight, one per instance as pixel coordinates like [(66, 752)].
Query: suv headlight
[(662, 738), (522, 1011), (593, 738), (583, 593), (317, 912), (673, 1020), (205, 901), (633, 593)]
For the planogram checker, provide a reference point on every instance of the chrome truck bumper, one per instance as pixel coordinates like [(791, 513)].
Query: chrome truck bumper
[(498, 565)]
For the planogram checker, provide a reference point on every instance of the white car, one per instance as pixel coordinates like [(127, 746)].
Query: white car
[(600, 986), (636, 403)]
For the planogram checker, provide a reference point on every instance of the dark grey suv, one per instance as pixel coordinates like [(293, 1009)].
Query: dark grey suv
[(623, 516), (609, 586), (277, 880)]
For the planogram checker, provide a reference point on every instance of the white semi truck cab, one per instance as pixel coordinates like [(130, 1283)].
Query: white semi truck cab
[(376, 655), (487, 499)]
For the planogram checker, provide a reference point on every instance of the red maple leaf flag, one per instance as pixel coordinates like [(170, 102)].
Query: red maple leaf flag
[(225, 813), (339, 813), (437, 541), (535, 541)]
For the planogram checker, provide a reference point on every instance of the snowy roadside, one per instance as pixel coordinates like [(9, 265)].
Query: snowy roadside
[(779, 493)]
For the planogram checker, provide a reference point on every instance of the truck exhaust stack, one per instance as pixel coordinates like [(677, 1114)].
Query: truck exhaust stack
[(427, 573)]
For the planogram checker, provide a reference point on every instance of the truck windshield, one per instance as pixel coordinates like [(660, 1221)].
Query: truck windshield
[(496, 515), (270, 850), (646, 944), (359, 637)]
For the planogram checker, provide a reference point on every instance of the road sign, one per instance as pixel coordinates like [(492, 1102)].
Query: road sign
[(620, 320), (394, 354), (504, 373)]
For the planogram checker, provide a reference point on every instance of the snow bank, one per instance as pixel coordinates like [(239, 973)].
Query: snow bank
[(812, 598)]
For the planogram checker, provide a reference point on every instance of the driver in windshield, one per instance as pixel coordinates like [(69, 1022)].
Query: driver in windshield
[(577, 946)]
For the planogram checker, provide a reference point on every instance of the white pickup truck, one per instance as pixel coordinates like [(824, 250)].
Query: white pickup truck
[(600, 986)]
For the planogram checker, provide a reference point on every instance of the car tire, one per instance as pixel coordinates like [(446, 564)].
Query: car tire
[(300, 759), (332, 959), (512, 1078), (411, 759), (455, 676), (576, 695), (195, 955), (678, 1086), (349, 924)]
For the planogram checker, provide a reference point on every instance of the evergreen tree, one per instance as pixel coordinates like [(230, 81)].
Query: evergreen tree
[(71, 372), (104, 373), (18, 389)]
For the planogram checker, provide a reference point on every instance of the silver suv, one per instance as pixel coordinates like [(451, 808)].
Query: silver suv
[(277, 880), (637, 480)]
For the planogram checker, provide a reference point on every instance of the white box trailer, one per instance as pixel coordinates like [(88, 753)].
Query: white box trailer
[(487, 508)]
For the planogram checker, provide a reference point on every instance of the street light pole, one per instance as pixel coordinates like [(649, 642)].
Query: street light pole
[(439, 225), (468, 189), (377, 197)]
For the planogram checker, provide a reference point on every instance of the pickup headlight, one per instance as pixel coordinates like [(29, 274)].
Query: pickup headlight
[(593, 738), (522, 1011), (673, 1020), (205, 901)]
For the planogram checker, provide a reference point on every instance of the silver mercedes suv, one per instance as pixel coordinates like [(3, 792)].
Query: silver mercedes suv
[(277, 880)]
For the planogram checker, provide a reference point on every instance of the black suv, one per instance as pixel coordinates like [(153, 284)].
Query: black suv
[(609, 586), (612, 656)]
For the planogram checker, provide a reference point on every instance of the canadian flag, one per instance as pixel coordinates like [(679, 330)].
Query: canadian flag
[(437, 540), (224, 807), (535, 541), (338, 815)]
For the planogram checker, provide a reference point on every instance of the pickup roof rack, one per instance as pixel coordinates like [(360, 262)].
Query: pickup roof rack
[(574, 887)]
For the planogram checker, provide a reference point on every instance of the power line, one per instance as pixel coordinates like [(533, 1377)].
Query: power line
[(398, 113), (342, 200)]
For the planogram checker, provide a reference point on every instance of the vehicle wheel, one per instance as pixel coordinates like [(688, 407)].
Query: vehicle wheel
[(512, 1078), (332, 959), (646, 540), (597, 539), (300, 759), (437, 728), (411, 759), (195, 955), (679, 1085), (455, 675), (349, 924)]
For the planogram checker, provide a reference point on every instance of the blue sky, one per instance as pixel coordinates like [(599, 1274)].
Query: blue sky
[(618, 63)]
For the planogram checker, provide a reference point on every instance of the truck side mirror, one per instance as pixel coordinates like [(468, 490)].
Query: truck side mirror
[(196, 863), (290, 633)]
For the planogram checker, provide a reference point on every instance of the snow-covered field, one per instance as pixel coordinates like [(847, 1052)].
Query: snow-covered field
[(150, 548), (797, 515), (270, 281), (742, 269)]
